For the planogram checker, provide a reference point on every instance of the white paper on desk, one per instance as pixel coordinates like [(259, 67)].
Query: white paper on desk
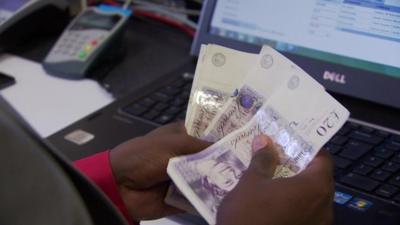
[(48, 103)]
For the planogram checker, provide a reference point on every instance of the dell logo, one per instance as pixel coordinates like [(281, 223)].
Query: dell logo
[(335, 77)]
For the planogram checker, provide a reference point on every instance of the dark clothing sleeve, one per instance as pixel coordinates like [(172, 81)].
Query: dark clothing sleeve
[(40, 186)]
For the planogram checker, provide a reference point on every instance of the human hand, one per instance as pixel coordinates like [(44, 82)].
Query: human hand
[(304, 199), (140, 168)]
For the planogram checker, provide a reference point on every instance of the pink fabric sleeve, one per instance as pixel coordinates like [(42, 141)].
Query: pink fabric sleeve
[(98, 169)]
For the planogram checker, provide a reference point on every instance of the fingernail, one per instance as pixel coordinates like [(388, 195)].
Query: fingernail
[(259, 142)]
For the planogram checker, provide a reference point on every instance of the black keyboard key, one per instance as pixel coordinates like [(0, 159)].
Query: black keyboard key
[(161, 97), (188, 77), (187, 87), (339, 140), (393, 145), (135, 109), (358, 145), (179, 83), (387, 190), (395, 180), (396, 158), (160, 106), (344, 130), (360, 182), (151, 115), (178, 102), (363, 169), (164, 119), (337, 172), (373, 161), (382, 133), (380, 175), (354, 150), (185, 95), (147, 102), (383, 153), (352, 125), (173, 110), (397, 198), (341, 163), (333, 149), (366, 129), (366, 137), (170, 90), (353, 153), (391, 167), (395, 137)]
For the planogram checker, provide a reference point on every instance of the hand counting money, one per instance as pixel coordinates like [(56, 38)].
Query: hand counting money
[(219, 72), (275, 98)]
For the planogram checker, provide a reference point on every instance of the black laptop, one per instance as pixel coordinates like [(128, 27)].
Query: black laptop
[(352, 47)]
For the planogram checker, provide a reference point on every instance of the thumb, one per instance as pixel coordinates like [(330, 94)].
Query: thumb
[(265, 157), (250, 193)]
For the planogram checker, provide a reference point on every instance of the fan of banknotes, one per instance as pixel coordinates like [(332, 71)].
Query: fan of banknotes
[(235, 97)]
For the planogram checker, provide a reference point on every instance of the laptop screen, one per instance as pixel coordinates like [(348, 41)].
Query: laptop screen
[(350, 46)]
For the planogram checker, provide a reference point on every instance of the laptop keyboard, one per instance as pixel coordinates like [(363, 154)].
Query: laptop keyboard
[(365, 158), (166, 104)]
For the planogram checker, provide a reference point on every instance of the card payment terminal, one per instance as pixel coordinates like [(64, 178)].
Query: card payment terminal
[(88, 38)]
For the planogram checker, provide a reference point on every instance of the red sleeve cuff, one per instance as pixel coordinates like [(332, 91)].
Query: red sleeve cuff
[(98, 168)]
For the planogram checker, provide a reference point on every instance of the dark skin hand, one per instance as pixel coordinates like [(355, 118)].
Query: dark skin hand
[(139, 166), (304, 199)]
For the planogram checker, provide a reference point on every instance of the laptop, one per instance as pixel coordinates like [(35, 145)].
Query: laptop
[(352, 47)]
